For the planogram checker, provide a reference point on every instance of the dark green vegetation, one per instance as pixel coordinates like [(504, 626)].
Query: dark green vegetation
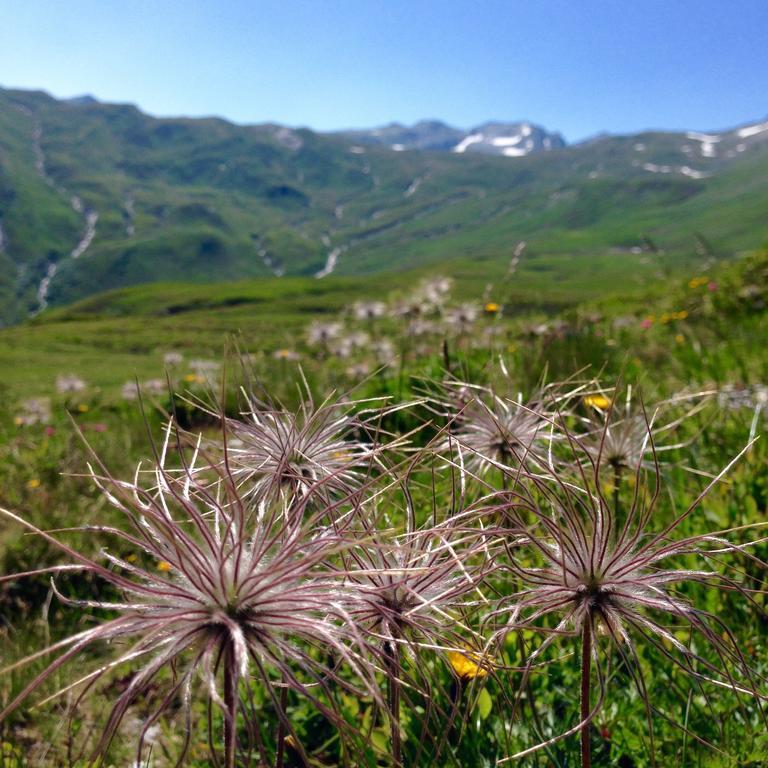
[(702, 333), (147, 200)]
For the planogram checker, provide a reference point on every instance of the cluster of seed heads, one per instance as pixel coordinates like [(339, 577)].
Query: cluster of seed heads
[(298, 554)]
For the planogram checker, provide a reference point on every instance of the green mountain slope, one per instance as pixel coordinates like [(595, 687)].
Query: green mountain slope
[(96, 196)]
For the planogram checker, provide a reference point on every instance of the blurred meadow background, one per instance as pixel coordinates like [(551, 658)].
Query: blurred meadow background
[(432, 442)]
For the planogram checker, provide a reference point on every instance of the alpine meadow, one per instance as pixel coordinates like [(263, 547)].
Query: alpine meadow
[(400, 447)]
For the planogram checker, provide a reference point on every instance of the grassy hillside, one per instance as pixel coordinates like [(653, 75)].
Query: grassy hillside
[(136, 199), (112, 337)]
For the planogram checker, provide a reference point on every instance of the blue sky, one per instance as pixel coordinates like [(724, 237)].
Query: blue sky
[(578, 66)]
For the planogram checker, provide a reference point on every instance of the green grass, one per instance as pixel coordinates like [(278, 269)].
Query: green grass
[(117, 335)]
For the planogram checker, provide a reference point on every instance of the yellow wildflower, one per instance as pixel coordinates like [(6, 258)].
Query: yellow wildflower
[(492, 307), (680, 339), (467, 664), (33, 483), (83, 408), (164, 566), (601, 402)]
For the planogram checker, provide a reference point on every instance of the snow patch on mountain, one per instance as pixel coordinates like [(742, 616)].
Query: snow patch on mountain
[(129, 215), (288, 138), (468, 141), (506, 141), (38, 152), (752, 130), (683, 169), (91, 217), (44, 287), (331, 261), (653, 168), (694, 174), (708, 142), (414, 186)]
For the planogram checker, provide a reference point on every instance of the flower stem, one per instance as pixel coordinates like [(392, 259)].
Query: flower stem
[(393, 675), (616, 489), (586, 662), (281, 730), (230, 710)]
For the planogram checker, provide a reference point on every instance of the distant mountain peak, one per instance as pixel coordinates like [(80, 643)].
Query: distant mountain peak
[(509, 139), (491, 138), (86, 100), (434, 124)]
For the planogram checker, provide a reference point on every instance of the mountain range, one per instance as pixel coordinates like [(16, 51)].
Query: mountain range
[(96, 196), (492, 138)]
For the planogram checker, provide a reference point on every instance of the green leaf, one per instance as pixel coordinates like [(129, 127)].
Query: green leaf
[(380, 739), (351, 705), (484, 704)]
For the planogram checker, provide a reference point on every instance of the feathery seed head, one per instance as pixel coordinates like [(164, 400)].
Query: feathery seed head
[(314, 449), (416, 586), (620, 436), (320, 334), (369, 310), (584, 564), (494, 432), (69, 383), (227, 592)]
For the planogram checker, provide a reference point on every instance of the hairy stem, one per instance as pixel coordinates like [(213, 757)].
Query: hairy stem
[(281, 730), (393, 676), (230, 707), (446, 356), (616, 488), (586, 664)]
